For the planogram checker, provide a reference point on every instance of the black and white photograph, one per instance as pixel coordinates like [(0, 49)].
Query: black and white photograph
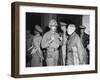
[(57, 39), (51, 39)]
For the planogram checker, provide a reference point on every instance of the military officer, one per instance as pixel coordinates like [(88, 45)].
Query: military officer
[(51, 41), (85, 40), (64, 39)]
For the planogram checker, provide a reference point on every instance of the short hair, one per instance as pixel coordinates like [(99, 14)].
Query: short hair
[(73, 26)]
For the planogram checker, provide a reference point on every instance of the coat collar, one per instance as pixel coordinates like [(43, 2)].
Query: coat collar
[(72, 35)]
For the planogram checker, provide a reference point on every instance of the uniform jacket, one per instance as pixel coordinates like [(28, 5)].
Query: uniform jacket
[(85, 39)]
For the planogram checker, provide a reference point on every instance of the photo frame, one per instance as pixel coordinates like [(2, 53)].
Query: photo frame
[(25, 15)]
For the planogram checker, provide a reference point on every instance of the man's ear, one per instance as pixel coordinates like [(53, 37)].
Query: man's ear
[(74, 29)]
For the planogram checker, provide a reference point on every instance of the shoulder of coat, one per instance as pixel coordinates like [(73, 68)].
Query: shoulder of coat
[(46, 34)]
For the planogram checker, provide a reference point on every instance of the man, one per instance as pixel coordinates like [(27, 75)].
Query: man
[(29, 39), (84, 36), (85, 39), (76, 53), (51, 42), (64, 39), (37, 55)]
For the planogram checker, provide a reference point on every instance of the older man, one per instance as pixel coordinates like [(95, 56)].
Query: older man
[(76, 53), (51, 42)]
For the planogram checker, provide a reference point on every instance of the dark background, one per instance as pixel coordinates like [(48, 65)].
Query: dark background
[(42, 19)]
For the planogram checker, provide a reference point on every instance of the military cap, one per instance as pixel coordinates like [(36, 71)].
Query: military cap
[(38, 28), (63, 24), (82, 27)]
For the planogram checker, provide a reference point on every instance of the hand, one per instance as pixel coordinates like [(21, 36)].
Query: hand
[(40, 54), (74, 49), (41, 58), (60, 38), (50, 42), (34, 51)]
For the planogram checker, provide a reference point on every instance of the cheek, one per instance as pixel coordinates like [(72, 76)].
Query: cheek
[(53, 28), (69, 31), (62, 28)]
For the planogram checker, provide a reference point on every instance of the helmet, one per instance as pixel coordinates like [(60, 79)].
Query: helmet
[(53, 22)]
